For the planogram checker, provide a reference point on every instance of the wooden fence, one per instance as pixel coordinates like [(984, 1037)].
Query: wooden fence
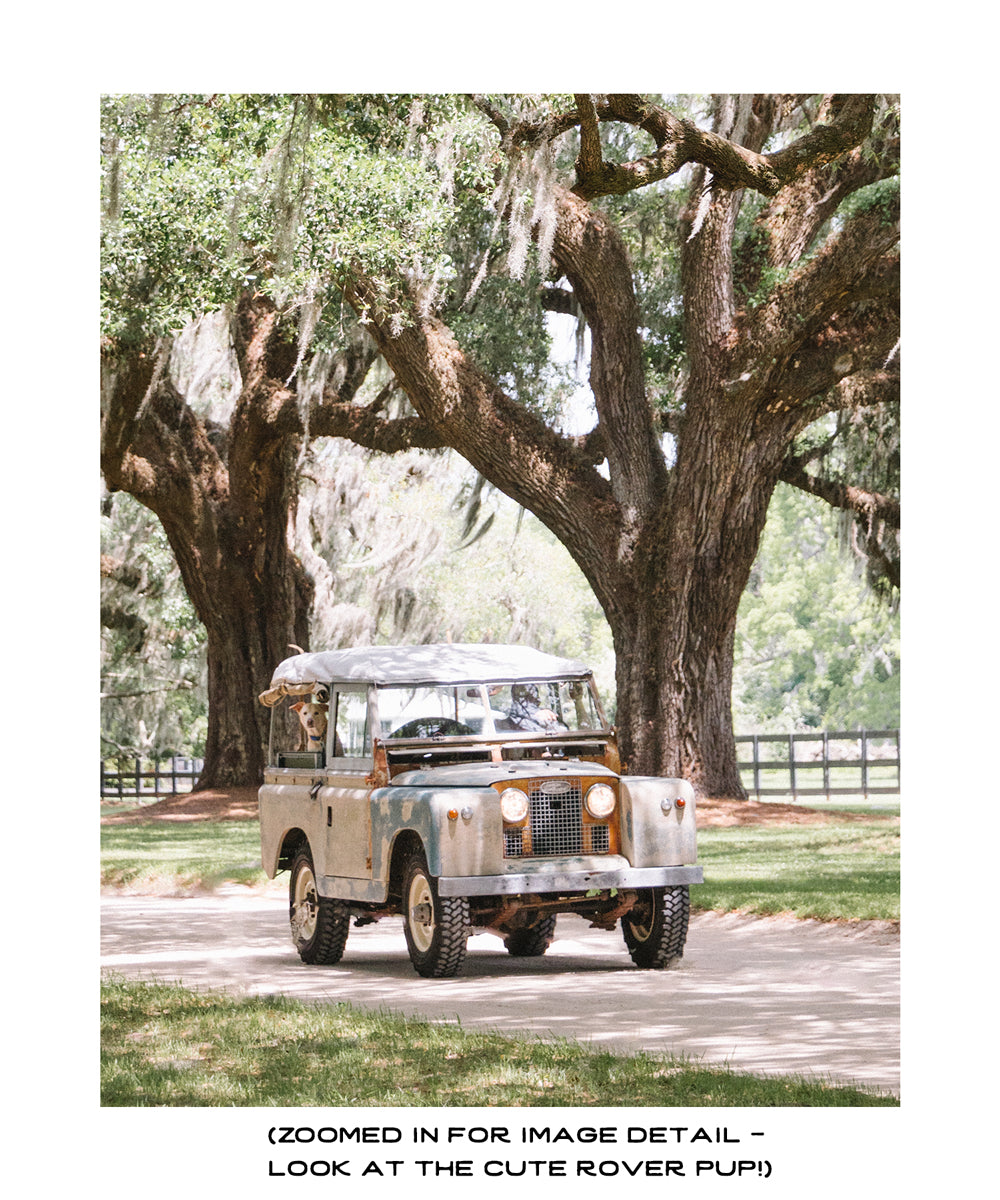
[(859, 763), (152, 777)]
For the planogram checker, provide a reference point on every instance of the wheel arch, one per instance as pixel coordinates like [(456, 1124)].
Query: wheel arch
[(291, 843), (405, 844)]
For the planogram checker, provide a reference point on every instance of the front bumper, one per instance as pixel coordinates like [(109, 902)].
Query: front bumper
[(542, 878)]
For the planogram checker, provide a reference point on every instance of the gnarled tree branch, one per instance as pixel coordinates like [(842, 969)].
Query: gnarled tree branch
[(799, 306), (868, 504)]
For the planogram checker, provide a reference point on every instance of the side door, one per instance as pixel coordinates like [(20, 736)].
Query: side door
[(343, 799)]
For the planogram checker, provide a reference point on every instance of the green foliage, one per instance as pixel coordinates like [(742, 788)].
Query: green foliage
[(205, 197), (752, 252), (813, 649), (152, 643), (649, 221), (881, 197), (503, 330), (162, 1045)]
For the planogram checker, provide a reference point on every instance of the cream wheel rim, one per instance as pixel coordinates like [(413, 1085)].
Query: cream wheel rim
[(304, 906), (640, 920), (420, 913)]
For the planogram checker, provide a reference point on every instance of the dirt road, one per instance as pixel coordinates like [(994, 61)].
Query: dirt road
[(769, 995)]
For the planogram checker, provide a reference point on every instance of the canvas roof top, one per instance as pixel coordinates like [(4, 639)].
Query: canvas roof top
[(401, 665)]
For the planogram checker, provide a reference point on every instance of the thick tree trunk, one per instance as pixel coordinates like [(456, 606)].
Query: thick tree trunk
[(674, 716), (244, 645), (253, 597), (674, 616), (227, 514), (251, 618)]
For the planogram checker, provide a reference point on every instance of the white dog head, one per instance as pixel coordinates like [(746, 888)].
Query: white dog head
[(313, 720)]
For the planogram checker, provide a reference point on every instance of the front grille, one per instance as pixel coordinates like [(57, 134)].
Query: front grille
[(513, 843), (600, 839), (555, 818), (557, 822)]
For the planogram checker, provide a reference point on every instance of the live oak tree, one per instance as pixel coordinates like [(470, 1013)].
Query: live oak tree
[(206, 204), (787, 320), (774, 336), (224, 489)]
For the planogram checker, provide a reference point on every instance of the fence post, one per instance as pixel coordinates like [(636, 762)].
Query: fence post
[(826, 764), (756, 766), (864, 762), (791, 766), (899, 771)]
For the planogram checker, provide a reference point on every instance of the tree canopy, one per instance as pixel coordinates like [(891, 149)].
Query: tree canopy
[(734, 260)]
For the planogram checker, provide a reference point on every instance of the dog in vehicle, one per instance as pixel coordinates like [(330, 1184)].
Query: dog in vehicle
[(312, 717)]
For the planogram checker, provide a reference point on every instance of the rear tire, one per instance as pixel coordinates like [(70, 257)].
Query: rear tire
[(437, 928), (655, 930), (319, 925), (533, 940)]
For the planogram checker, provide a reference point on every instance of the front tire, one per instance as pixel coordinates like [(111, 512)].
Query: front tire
[(655, 930), (437, 928), (319, 925)]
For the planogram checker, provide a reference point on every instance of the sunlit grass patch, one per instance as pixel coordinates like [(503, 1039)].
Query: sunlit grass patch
[(163, 1045), (181, 856), (828, 872)]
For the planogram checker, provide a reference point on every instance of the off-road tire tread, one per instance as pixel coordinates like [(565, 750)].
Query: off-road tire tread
[(533, 940), (446, 956), (333, 924), (665, 944), (454, 928)]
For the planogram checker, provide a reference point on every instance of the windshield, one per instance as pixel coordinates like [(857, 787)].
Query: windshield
[(550, 706)]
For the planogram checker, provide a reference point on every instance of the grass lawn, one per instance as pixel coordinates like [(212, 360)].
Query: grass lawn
[(829, 872), (166, 1046), (176, 856)]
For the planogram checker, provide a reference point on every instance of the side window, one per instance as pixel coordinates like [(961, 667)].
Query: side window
[(352, 738)]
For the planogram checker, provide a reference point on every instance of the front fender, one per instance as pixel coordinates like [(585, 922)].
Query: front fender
[(656, 832), (468, 843)]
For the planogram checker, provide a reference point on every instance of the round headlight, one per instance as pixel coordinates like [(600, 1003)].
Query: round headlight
[(513, 805), (600, 801)]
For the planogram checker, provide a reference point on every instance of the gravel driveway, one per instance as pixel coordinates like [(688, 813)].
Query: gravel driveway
[(764, 995)]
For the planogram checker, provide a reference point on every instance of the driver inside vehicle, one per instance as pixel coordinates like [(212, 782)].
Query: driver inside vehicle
[(527, 713)]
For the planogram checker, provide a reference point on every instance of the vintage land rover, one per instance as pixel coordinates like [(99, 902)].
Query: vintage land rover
[(465, 787)]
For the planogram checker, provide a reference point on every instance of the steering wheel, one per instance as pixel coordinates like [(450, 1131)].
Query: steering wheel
[(431, 727)]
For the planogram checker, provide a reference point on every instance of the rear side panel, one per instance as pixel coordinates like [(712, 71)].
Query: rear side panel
[(285, 806)]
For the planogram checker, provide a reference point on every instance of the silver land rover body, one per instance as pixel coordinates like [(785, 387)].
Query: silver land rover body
[(465, 787)]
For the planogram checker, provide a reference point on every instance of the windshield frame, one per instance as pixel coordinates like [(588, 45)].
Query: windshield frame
[(489, 731)]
